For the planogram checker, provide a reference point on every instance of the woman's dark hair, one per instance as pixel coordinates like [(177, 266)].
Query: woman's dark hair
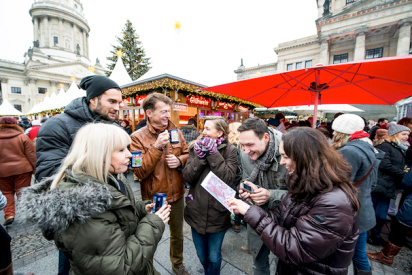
[(405, 121), (318, 167)]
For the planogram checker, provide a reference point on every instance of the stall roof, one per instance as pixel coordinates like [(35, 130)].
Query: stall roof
[(158, 77)]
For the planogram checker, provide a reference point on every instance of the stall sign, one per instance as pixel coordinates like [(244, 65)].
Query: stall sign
[(180, 107), (243, 108), (199, 101), (225, 106)]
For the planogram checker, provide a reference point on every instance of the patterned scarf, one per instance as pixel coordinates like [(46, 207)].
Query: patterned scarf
[(262, 164)]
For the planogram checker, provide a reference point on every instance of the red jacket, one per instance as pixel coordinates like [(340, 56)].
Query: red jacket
[(17, 153), (33, 132)]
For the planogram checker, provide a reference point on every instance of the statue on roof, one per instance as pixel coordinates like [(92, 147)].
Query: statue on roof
[(326, 6)]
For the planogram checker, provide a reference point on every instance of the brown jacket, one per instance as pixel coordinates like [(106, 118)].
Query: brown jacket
[(155, 175), (204, 213), (316, 237), (17, 152)]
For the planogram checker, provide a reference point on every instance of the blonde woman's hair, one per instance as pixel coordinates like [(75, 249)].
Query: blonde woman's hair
[(91, 151), (234, 133), (393, 138), (339, 140), (220, 124)]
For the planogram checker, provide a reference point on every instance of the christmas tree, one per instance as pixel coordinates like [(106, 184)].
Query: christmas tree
[(134, 57)]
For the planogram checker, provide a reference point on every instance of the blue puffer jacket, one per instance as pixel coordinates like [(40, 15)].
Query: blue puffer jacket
[(405, 211)]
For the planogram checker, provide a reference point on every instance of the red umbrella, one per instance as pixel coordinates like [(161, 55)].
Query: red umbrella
[(382, 81)]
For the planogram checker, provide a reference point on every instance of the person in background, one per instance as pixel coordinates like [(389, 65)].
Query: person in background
[(25, 123), (161, 170), (281, 128), (376, 127), (141, 124), (262, 171), (207, 217), (89, 210), (189, 131), (315, 227), (356, 147), (371, 123), (407, 121), (273, 123), (391, 172), (101, 104), (17, 162), (325, 132), (32, 132), (381, 135), (401, 224), (126, 126), (234, 139)]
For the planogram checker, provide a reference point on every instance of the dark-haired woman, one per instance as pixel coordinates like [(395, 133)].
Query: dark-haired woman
[(315, 228)]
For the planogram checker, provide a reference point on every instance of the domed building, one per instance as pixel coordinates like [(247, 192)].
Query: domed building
[(59, 54)]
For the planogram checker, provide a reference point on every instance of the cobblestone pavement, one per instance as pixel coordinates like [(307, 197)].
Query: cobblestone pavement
[(29, 246)]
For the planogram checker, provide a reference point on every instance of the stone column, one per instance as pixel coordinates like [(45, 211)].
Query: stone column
[(281, 66), (61, 36), (4, 88), (84, 43), (404, 39), (87, 45), (324, 51), (46, 32), (360, 46), (74, 38), (35, 28)]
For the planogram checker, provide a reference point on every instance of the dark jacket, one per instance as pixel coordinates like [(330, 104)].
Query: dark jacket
[(317, 237), (189, 133), (25, 124), (405, 210), (391, 170), (204, 213), (56, 136), (17, 153), (100, 230), (361, 155), (155, 175)]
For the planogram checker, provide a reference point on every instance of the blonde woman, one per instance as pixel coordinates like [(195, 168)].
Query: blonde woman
[(89, 210), (209, 219)]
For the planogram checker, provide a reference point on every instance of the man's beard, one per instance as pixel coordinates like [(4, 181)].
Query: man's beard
[(98, 111)]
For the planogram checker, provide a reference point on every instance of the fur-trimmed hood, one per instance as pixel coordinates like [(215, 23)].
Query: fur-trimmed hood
[(10, 130), (72, 200)]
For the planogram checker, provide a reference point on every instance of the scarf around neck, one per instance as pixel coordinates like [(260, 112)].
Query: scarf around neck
[(263, 163)]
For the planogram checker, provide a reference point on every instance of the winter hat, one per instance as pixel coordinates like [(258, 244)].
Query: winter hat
[(24, 118), (95, 85), (8, 120), (36, 122), (274, 122), (348, 124), (394, 129)]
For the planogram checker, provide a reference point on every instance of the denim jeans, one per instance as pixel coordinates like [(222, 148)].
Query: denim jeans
[(209, 250), (381, 206), (64, 264), (360, 260), (261, 264)]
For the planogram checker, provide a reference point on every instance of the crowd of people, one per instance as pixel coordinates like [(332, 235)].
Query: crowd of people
[(312, 197)]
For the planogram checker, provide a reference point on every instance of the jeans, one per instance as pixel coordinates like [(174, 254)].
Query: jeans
[(360, 260), (381, 206), (64, 264), (261, 264), (209, 250)]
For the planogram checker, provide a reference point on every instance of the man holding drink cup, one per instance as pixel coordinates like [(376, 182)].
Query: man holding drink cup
[(161, 167)]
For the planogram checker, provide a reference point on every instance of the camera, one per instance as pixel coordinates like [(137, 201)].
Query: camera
[(246, 188)]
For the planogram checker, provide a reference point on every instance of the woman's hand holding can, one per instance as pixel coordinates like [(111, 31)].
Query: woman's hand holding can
[(164, 213)]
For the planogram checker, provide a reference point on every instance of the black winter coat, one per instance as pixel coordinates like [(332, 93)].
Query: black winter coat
[(56, 136), (391, 170), (316, 237)]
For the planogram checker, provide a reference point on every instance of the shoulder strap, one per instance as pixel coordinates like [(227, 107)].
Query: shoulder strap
[(357, 183)]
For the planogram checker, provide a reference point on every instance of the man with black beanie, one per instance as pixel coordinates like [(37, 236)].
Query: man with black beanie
[(102, 101)]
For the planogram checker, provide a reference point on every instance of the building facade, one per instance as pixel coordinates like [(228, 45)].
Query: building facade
[(59, 54), (347, 30)]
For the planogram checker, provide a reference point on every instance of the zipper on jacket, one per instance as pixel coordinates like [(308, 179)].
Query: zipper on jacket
[(170, 173)]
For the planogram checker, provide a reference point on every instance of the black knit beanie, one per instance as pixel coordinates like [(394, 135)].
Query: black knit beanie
[(95, 85)]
